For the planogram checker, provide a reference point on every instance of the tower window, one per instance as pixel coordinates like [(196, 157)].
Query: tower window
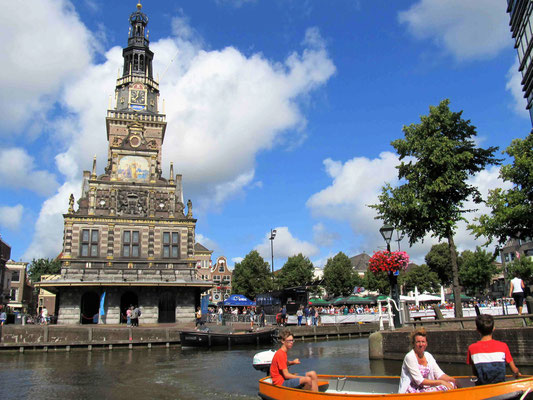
[(89, 243), (171, 245), (131, 244)]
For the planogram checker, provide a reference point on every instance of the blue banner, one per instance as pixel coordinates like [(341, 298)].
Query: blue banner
[(204, 303), (102, 300)]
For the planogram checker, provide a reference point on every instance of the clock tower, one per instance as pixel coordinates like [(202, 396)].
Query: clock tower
[(130, 241)]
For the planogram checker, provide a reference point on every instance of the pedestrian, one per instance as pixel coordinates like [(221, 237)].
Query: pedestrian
[(488, 356), (516, 291), (252, 316), (134, 315), (263, 318), (316, 317), (307, 313), (220, 315), (44, 315), (128, 315), (3, 317), (198, 317), (300, 315), (284, 316)]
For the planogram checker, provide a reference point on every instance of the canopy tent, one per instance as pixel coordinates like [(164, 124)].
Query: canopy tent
[(354, 300), (318, 302), (464, 297), (407, 298), (428, 297), (236, 300)]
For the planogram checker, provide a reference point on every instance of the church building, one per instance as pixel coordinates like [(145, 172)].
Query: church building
[(130, 239)]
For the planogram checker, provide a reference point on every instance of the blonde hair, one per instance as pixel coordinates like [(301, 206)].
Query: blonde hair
[(415, 333)]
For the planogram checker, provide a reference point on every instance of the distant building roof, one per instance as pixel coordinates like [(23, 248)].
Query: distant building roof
[(199, 248), (360, 262)]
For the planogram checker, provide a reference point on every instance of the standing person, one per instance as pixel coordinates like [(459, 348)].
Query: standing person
[(263, 318), (488, 356), (516, 291), (284, 316), (220, 315), (307, 313), (420, 371), (134, 315), (128, 316), (252, 316), (3, 317), (198, 317), (44, 315), (315, 321), (300, 315), (279, 369)]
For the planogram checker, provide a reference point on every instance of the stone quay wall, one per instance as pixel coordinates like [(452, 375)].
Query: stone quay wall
[(450, 345)]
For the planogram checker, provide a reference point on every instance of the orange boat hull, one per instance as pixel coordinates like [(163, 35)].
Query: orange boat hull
[(466, 389)]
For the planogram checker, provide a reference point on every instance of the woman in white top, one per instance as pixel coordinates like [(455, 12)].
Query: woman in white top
[(420, 372), (517, 292)]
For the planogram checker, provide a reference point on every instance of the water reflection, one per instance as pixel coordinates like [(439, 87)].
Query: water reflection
[(174, 373)]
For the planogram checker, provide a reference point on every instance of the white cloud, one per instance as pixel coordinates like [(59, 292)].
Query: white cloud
[(17, 170), (514, 85), (466, 29), (206, 242), (322, 237), (47, 240), (358, 182), (285, 246), (235, 3), (10, 217), (43, 45)]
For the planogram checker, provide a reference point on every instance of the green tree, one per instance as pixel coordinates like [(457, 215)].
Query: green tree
[(439, 260), (339, 276), (43, 266), (297, 271), (422, 277), (476, 270), (438, 155), (521, 267), (378, 281), (252, 276), (511, 210)]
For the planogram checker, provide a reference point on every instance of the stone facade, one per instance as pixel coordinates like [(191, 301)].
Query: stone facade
[(20, 289), (130, 239), (5, 254), (220, 274)]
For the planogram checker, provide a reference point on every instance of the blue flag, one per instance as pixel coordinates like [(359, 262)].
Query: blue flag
[(102, 300)]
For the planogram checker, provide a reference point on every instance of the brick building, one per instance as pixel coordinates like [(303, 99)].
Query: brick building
[(20, 289), (220, 274), (131, 238)]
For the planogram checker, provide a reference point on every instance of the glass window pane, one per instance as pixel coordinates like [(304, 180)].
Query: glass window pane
[(94, 250), (135, 250), (84, 250), (135, 238), (166, 251), (166, 237), (175, 251), (85, 235), (174, 237), (127, 236), (94, 236), (126, 251)]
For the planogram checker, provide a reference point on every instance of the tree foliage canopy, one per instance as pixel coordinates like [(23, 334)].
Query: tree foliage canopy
[(297, 271), (377, 281), (340, 277), (476, 270), (521, 267), (252, 276), (511, 210), (439, 260), (422, 277), (43, 266), (438, 155)]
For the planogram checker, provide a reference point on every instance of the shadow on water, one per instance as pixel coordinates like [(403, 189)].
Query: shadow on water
[(175, 373)]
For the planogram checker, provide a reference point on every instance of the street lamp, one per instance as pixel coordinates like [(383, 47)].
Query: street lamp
[(272, 236), (386, 232), (399, 238)]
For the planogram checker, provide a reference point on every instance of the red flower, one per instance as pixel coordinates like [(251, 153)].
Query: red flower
[(388, 261)]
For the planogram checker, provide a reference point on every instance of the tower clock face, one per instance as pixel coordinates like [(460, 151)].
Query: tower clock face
[(138, 97)]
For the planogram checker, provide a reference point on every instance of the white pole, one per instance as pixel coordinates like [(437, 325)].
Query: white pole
[(442, 299), (416, 296), (381, 327)]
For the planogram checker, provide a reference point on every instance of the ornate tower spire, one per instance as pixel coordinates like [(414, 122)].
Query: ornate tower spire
[(137, 56)]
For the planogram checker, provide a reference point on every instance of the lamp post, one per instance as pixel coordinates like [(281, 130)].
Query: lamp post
[(386, 232), (272, 236)]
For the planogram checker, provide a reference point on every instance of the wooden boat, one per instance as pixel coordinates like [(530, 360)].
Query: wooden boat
[(335, 387), (227, 339)]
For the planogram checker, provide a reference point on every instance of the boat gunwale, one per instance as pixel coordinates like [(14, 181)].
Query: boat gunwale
[(262, 381)]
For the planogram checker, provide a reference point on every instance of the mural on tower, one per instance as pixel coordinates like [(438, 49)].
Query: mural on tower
[(133, 168)]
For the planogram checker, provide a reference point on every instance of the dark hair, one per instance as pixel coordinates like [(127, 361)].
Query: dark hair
[(417, 332), (485, 324), (285, 334)]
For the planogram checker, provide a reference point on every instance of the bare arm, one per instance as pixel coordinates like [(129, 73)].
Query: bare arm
[(511, 290), (515, 370)]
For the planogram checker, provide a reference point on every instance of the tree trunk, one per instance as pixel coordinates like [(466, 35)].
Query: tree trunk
[(455, 278)]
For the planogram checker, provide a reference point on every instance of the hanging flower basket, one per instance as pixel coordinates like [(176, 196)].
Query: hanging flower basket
[(388, 261)]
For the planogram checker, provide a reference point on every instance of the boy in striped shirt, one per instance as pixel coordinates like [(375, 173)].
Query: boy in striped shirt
[(488, 356)]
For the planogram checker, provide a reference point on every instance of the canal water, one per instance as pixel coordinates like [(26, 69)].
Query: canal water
[(175, 373)]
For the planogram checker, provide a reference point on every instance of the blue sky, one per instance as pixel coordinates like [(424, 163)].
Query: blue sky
[(280, 113)]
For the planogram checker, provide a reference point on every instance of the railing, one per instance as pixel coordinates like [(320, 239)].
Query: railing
[(137, 78), (106, 274), (135, 116)]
